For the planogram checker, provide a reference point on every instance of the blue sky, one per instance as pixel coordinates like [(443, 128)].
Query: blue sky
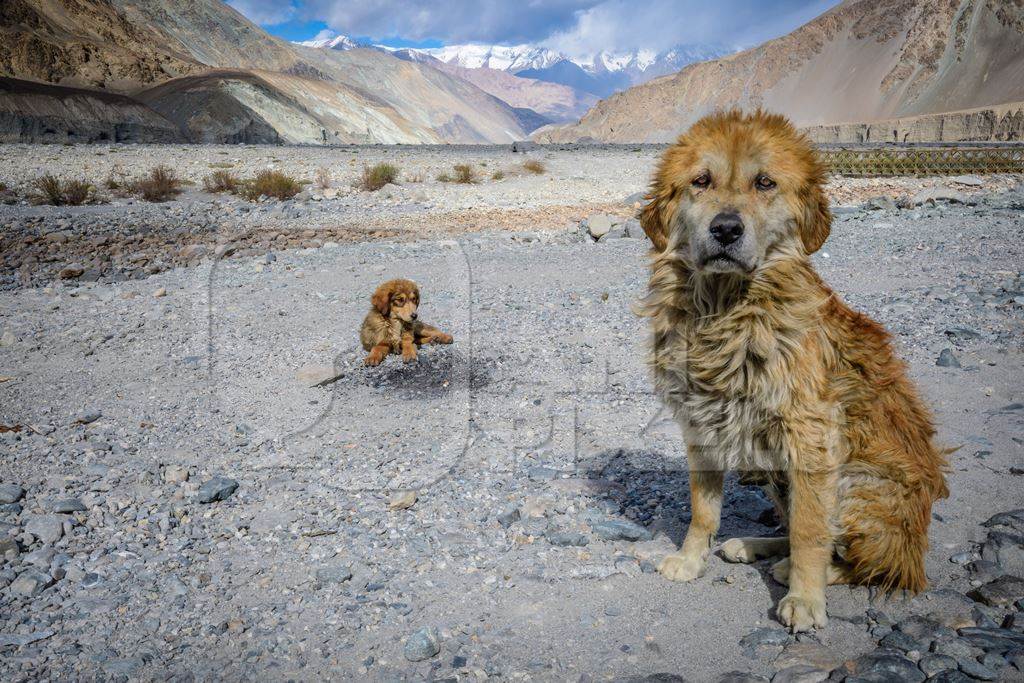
[(574, 26)]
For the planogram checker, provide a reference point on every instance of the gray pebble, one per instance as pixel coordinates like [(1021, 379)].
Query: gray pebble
[(216, 489), (421, 645)]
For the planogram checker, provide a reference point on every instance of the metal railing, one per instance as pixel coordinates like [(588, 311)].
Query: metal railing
[(923, 161)]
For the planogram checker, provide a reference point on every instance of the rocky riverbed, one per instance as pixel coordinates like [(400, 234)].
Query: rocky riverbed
[(200, 479)]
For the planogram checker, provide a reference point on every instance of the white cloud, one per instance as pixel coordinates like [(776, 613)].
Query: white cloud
[(661, 24), (264, 12), (451, 21), (577, 27)]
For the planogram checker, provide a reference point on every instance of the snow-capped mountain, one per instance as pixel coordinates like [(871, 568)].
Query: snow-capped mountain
[(601, 73), (335, 43), (596, 75), (512, 58)]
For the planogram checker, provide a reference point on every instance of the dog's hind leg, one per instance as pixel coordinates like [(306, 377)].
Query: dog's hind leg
[(749, 550), (428, 334), (837, 574)]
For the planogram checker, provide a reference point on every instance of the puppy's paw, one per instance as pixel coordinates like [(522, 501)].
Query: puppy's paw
[(802, 613), (409, 355), (736, 550), (679, 567), (374, 359), (442, 338)]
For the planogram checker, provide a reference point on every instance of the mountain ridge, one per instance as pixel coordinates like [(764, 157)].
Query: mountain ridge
[(877, 59), (131, 46)]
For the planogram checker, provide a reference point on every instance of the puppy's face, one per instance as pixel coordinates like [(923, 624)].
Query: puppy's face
[(398, 300), (734, 191)]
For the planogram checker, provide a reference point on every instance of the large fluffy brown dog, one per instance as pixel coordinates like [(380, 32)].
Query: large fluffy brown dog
[(769, 373), (392, 325)]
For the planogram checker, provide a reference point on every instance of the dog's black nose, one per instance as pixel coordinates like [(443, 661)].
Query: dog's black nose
[(413, 316), (726, 228)]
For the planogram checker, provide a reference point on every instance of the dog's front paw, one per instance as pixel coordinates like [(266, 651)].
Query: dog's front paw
[(680, 567), (802, 613), (374, 359), (442, 338), (409, 355)]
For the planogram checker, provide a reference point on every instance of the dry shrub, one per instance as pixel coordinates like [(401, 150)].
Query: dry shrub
[(77, 192), (377, 176), (271, 184), (443, 177), (220, 164), (464, 173), (497, 175), (534, 166), (159, 185), (50, 190), (221, 181)]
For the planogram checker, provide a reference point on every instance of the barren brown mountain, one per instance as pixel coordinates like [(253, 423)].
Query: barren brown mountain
[(273, 91), (865, 60)]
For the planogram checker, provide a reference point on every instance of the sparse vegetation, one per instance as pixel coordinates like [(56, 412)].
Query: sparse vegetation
[(443, 177), (270, 184), (159, 185), (376, 177), (417, 177), (220, 164), (464, 173), (77, 192), (534, 166), (497, 175), (51, 190), (221, 181), (48, 188), (322, 178)]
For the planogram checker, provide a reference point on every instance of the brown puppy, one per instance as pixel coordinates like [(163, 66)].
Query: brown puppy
[(770, 373), (391, 325)]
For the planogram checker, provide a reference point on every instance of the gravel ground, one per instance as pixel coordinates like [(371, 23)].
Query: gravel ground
[(179, 501)]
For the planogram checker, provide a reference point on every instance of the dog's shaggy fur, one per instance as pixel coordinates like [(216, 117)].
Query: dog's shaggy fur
[(392, 326), (770, 373)]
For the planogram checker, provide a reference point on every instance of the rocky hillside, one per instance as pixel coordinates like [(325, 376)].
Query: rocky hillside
[(1000, 122), (50, 113), (275, 91), (865, 60)]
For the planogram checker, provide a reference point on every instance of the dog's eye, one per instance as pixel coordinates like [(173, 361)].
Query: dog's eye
[(763, 182), (703, 180)]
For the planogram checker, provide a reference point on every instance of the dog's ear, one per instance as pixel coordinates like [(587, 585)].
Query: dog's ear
[(816, 220), (381, 300), (416, 294), (652, 222)]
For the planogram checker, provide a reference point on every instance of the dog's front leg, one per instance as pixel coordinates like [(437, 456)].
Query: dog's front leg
[(377, 354), (408, 347), (812, 500), (706, 512)]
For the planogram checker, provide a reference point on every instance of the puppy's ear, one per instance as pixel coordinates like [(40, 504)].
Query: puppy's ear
[(416, 294), (652, 222), (816, 220), (381, 300)]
